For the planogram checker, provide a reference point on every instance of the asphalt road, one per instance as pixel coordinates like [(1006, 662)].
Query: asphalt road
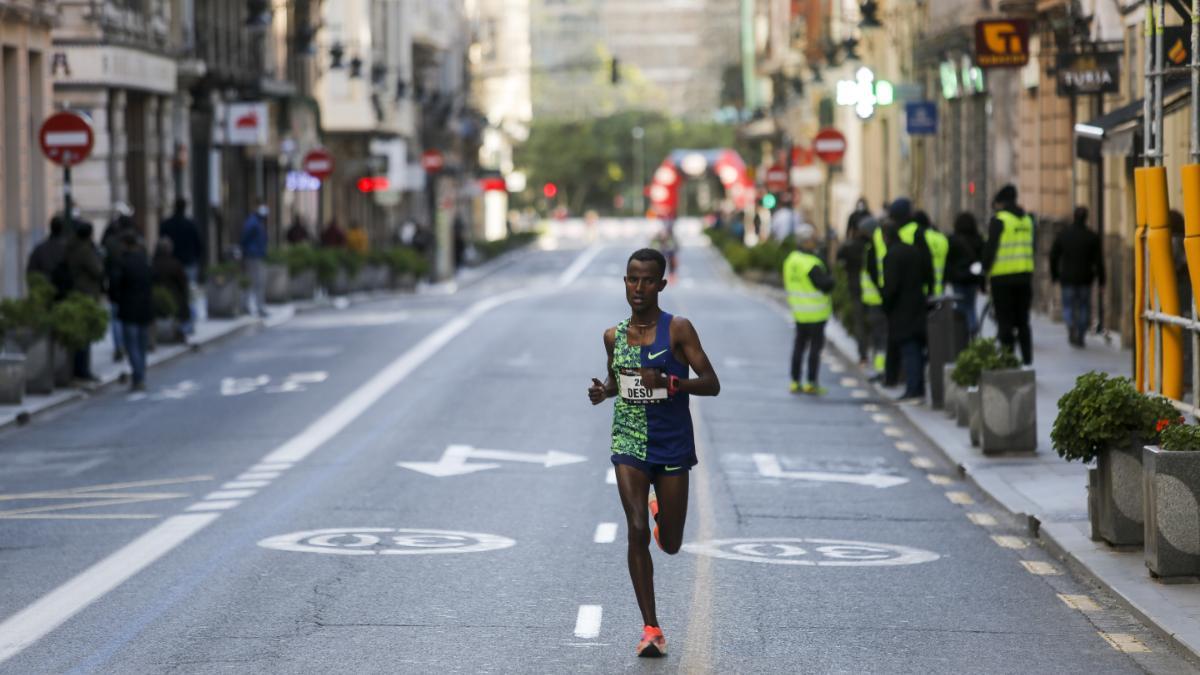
[(420, 484)]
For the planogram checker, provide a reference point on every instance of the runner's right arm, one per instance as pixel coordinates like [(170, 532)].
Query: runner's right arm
[(602, 390)]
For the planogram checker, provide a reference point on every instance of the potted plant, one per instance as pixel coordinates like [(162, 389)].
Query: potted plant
[(950, 391), (1008, 413), (166, 316), (353, 263), (278, 282), (75, 323), (28, 333), (302, 272), (406, 266), (1107, 419), (12, 370), (225, 290), (381, 272), (1171, 479)]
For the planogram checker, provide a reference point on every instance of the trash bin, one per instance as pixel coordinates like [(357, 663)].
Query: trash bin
[(947, 336)]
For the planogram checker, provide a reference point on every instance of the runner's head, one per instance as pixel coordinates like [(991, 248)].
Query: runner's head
[(644, 278)]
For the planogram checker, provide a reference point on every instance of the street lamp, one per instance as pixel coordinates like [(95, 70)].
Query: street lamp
[(639, 150)]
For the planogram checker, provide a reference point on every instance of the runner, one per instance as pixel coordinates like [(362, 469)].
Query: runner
[(652, 444), (665, 241)]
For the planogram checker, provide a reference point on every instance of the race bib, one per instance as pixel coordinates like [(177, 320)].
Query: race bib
[(634, 391)]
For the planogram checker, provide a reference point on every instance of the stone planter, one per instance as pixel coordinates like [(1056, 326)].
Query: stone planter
[(382, 277), (39, 359), (277, 291), (404, 282), (1171, 483), (962, 406), (64, 365), (1119, 516), (225, 299), (363, 279), (1009, 406), (167, 331), (1093, 509), (340, 284), (302, 285), (12, 378), (974, 414), (949, 391)]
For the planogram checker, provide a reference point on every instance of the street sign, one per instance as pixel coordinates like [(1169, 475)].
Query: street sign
[(1089, 73), (777, 178), (830, 145), (921, 118), (66, 138), (432, 161), (454, 460), (1001, 43), (247, 123), (318, 163)]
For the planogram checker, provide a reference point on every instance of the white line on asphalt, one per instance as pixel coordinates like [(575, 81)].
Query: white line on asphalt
[(881, 418), (836, 368), (572, 273), (611, 476), (1080, 602), (259, 475), (870, 407), (1040, 568), (229, 494), (982, 519), (859, 393), (921, 463), (938, 479), (961, 498), (214, 506), (270, 467), (50, 611), (242, 484), (1124, 642), (905, 446), (893, 432), (606, 533), (849, 382), (587, 622), (1006, 541)]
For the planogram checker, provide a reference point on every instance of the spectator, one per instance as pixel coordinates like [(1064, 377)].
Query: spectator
[(356, 238), (110, 243), (254, 253), (908, 273), (169, 274), (298, 233), (333, 236), (188, 247), (783, 222), (1075, 264), (1009, 261), (87, 277), (850, 259), (49, 258), (964, 268), (130, 288)]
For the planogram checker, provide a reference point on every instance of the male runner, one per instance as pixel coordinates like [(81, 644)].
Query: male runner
[(652, 444)]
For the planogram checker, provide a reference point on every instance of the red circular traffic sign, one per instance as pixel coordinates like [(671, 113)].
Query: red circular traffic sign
[(777, 178), (66, 138), (830, 145), (318, 163), (432, 161)]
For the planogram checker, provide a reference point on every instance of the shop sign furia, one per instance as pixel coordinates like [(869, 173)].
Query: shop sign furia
[(1089, 73)]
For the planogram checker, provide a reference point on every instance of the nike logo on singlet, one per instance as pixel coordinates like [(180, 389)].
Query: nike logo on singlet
[(655, 356)]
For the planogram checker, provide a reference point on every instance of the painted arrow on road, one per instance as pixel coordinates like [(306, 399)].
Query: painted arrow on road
[(454, 460), (768, 466)]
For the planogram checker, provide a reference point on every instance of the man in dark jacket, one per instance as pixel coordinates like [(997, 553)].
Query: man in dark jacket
[(964, 268), (87, 277), (188, 248), (130, 288), (1076, 263), (110, 244), (850, 259), (907, 275), (170, 275), (49, 258), (1008, 259)]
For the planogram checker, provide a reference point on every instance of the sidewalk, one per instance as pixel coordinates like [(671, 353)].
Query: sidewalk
[(1051, 492)]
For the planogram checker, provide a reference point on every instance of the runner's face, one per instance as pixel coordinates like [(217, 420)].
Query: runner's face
[(643, 282)]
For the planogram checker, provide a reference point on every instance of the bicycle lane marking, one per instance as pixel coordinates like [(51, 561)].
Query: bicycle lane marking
[(44, 615)]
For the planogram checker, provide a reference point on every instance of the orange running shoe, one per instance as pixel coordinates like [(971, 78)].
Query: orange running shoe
[(653, 643), (654, 513)]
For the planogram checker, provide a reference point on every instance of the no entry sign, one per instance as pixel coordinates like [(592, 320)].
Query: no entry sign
[(318, 163), (830, 145), (777, 178), (432, 161), (66, 138)]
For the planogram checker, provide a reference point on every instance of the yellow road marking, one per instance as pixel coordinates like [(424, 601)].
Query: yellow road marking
[(960, 498), (921, 463), (1080, 602), (1039, 568), (982, 519), (1124, 642), (939, 479), (1005, 541)]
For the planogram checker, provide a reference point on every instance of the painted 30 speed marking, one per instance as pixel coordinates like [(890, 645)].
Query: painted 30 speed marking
[(811, 552), (385, 541)]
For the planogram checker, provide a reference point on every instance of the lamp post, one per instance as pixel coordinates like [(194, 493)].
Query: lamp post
[(639, 150)]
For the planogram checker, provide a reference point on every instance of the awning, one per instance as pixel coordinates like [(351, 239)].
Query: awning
[(1117, 131)]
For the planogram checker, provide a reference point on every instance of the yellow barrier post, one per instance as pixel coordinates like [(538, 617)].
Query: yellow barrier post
[(1139, 278), (1162, 272)]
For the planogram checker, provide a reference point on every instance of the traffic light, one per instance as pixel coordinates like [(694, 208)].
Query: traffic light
[(615, 71), (549, 190), (768, 201)]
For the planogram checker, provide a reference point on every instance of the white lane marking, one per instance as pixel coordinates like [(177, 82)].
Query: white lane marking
[(606, 533), (1006, 541), (858, 393), (111, 494), (611, 476), (259, 475), (921, 463), (905, 446), (1039, 568), (769, 467), (870, 407), (881, 418), (893, 432), (454, 460), (243, 484), (587, 622), (938, 479), (572, 273), (214, 506), (837, 368), (229, 494), (961, 498), (50, 611), (1124, 642), (849, 382), (982, 519), (269, 467), (1080, 602)]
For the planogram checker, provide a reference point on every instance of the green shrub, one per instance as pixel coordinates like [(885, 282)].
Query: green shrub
[(982, 354), (843, 305), (1180, 437), (77, 321), (33, 310), (404, 260), (737, 255), (350, 261), (1101, 411), (229, 271), (299, 258), (326, 262), (165, 306)]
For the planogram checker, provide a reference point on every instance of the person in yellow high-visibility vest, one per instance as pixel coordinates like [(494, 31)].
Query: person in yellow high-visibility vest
[(1008, 258), (874, 340), (808, 284)]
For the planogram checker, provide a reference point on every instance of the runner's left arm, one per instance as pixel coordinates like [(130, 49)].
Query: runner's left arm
[(705, 383)]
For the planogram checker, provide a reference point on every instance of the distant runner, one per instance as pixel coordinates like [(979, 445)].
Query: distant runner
[(665, 241), (652, 443)]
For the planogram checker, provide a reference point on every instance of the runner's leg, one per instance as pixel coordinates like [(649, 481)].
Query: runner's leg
[(672, 492), (634, 487)]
